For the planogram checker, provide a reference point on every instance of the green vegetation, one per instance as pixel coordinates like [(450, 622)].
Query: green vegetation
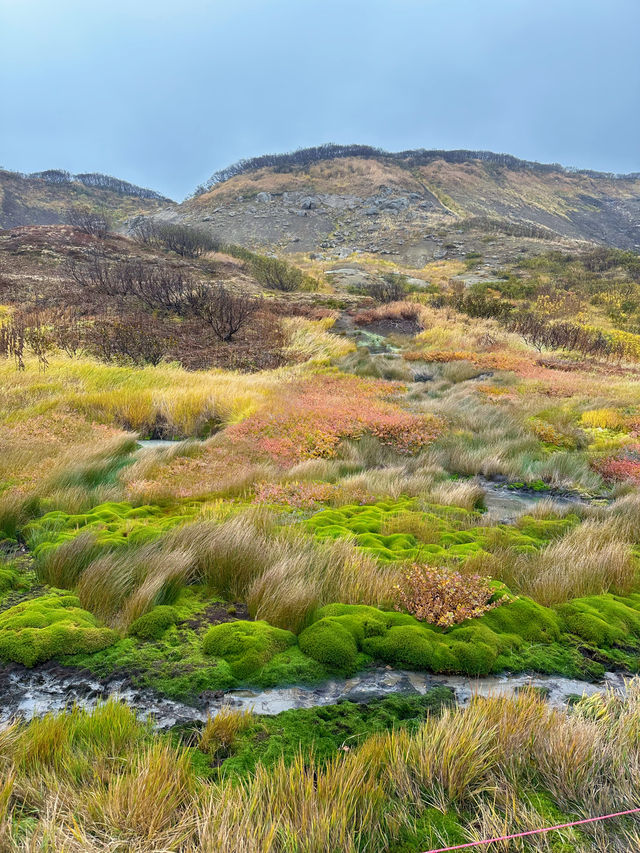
[(433, 534), (399, 775), (322, 732), (111, 524), (246, 646), (152, 625), (50, 626), (280, 550)]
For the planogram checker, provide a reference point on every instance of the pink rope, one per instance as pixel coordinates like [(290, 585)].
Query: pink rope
[(532, 831)]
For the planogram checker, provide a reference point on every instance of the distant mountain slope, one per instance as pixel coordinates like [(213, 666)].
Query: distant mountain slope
[(354, 197), (43, 198)]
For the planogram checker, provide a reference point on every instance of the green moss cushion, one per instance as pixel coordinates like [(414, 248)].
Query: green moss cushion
[(47, 627), (604, 620), (152, 625), (246, 646)]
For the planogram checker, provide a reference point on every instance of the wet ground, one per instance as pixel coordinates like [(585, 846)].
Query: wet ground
[(28, 693)]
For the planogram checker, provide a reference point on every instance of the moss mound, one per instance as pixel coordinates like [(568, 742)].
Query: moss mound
[(331, 644), (152, 625), (110, 524), (433, 534), (47, 627), (246, 646), (10, 578), (475, 647), (604, 620)]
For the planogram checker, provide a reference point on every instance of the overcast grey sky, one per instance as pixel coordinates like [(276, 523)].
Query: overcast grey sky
[(164, 93)]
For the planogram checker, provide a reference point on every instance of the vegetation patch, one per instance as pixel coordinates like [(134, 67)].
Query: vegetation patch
[(439, 533), (324, 732), (48, 627), (246, 646), (112, 525)]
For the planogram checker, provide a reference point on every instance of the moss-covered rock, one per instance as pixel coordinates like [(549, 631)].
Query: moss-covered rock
[(152, 625), (48, 627), (246, 646)]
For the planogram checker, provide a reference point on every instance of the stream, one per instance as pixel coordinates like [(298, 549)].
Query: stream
[(32, 692), (506, 504)]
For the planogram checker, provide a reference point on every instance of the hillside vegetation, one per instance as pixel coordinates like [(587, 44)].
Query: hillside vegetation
[(410, 204), (43, 198), (366, 464)]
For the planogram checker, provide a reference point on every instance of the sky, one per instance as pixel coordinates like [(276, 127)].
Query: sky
[(164, 93)]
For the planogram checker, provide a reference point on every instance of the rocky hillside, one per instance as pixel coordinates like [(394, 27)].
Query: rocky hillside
[(419, 205), (44, 197)]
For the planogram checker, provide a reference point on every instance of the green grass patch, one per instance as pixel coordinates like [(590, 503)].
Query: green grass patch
[(111, 525), (326, 731), (444, 534)]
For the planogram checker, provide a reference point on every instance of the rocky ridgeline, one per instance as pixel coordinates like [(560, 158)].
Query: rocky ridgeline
[(417, 214)]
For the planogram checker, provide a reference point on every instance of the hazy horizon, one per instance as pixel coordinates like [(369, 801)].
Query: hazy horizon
[(164, 99)]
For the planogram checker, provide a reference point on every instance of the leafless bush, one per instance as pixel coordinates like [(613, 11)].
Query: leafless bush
[(135, 338), (224, 311), (155, 286), (12, 340), (91, 222), (183, 239), (26, 331), (68, 332), (392, 287)]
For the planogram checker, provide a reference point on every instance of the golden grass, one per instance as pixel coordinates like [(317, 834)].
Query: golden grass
[(220, 732), (591, 559), (311, 340), (481, 763)]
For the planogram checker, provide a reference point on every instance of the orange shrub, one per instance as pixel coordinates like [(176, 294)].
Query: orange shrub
[(490, 360), (443, 597)]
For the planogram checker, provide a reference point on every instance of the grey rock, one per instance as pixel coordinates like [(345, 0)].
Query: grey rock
[(263, 197)]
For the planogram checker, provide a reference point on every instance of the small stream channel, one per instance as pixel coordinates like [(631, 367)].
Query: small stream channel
[(28, 693), (505, 503)]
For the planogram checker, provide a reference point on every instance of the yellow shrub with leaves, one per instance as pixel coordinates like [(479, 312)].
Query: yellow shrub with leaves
[(443, 597)]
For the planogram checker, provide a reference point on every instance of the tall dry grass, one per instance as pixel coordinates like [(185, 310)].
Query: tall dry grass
[(485, 764), (591, 559), (282, 574)]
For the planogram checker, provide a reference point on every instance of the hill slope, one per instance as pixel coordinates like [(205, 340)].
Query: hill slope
[(43, 198), (330, 198)]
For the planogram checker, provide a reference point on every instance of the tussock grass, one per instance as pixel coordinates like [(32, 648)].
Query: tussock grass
[(282, 574), (285, 576), (311, 340), (220, 732), (121, 585), (137, 399), (590, 559), (120, 788)]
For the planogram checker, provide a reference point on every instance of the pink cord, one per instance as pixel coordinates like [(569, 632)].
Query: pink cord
[(532, 832)]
